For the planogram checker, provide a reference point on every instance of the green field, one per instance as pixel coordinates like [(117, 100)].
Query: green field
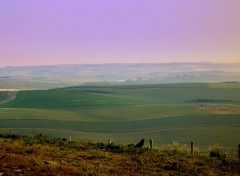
[(164, 112), (38, 82)]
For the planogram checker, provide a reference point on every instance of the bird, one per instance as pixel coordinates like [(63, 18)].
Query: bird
[(140, 144)]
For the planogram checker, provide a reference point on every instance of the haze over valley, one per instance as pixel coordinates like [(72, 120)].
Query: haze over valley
[(117, 74)]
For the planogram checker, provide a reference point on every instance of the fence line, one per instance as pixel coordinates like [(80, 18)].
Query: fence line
[(203, 149), (192, 148)]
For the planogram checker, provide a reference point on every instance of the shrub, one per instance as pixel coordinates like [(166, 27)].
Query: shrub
[(216, 151), (9, 135)]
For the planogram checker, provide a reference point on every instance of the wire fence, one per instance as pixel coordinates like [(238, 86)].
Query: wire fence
[(194, 148), (225, 151)]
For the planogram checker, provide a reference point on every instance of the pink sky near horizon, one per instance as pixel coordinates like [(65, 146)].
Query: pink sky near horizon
[(50, 32)]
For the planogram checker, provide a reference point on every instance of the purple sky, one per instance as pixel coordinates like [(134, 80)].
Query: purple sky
[(43, 32)]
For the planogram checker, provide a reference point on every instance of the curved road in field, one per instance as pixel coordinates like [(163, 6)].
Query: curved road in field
[(10, 96)]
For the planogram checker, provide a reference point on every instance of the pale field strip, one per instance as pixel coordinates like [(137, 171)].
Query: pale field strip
[(221, 108), (14, 90)]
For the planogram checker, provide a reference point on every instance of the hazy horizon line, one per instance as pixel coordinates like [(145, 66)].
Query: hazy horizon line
[(124, 63)]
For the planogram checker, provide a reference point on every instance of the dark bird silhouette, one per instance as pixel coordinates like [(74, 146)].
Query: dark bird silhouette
[(140, 144)]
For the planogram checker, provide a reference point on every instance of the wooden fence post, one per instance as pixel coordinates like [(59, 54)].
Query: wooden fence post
[(192, 148), (109, 141), (150, 144), (239, 152)]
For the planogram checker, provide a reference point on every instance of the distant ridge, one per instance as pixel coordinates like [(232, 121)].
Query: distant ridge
[(133, 73)]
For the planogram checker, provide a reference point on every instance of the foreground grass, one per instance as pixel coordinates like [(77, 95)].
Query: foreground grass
[(40, 155)]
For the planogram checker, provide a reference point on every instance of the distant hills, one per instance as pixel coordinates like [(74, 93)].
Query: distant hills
[(132, 73)]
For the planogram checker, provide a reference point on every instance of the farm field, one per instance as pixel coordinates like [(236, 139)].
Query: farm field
[(205, 113), (22, 83)]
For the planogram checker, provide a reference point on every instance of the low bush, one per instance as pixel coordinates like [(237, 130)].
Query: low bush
[(217, 151)]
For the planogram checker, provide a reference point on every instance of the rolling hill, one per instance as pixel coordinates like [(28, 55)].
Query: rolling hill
[(164, 112)]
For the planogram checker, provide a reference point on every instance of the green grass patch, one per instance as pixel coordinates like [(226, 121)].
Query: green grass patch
[(103, 114), (162, 112), (207, 129), (62, 99)]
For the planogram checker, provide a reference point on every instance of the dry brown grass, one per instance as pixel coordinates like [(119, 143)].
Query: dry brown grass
[(221, 108), (19, 157)]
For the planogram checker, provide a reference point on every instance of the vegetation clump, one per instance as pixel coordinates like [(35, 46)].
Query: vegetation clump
[(41, 155), (217, 151)]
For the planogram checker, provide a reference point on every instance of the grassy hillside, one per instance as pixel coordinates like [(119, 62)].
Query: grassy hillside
[(167, 93), (62, 99), (78, 97), (207, 113), (40, 155)]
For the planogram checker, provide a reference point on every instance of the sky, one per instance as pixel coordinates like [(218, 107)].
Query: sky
[(50, 32)]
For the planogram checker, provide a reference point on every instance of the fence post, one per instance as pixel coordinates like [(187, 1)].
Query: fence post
[(150, 144), (70, 138), (192, 148), (239, 152), (109, 141)]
